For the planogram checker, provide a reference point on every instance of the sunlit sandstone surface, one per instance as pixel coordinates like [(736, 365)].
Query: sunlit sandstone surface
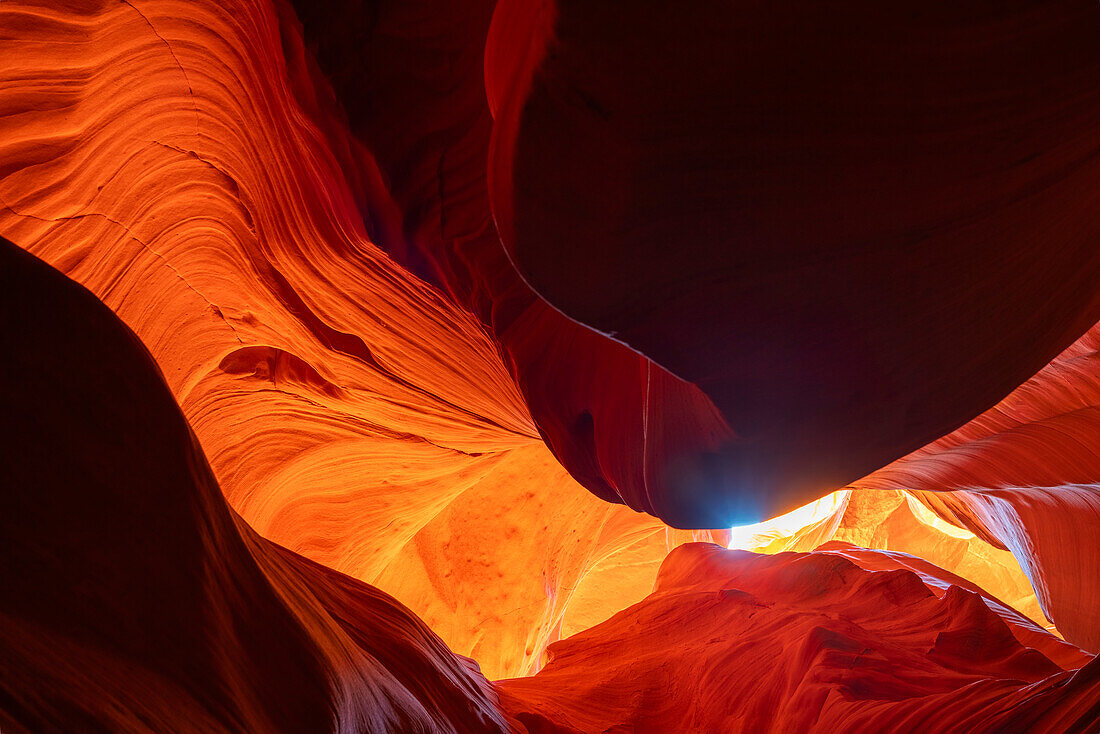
[(314, 455)]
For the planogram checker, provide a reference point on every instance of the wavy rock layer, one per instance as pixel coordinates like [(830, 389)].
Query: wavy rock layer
[(409, 74), (189, 164), (625, 427), (843, 639), (1023, 477), (136, 600), (853, 229), (1026, 476), (177, 159), (576, 119), (897, 521)]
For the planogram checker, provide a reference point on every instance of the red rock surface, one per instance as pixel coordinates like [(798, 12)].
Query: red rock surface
[(843, 639), (1025, 476), (299, 221), (854, 229), (135, 599), (350, 411), (897, 521)]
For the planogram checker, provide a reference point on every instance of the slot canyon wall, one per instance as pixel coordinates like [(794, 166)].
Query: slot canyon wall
[(359, 354)]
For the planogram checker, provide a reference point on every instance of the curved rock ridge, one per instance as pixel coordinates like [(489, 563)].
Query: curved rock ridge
[(853, 229), (179, 160), (625, 427), (611, 416), (1025, 476), (842, 639), (136, 600), (316, 268), (897, 521)]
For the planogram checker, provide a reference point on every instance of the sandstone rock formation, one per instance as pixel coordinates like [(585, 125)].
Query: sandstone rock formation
[(843, 639), (442, 318), (136, 600)]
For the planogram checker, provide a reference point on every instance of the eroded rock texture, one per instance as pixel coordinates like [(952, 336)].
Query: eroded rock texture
[(136, 600), (843, 639), (897, 521), (1026, 476), (166, 156), (451, 293), (910, 239), (1021, 477), (854, 229), (410, 77)]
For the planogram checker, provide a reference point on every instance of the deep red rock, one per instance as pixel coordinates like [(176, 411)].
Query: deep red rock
[(1025, 476), (351, 412), (835, 640), (307, 237), (854, 229), (410, 80), (135, 599)]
